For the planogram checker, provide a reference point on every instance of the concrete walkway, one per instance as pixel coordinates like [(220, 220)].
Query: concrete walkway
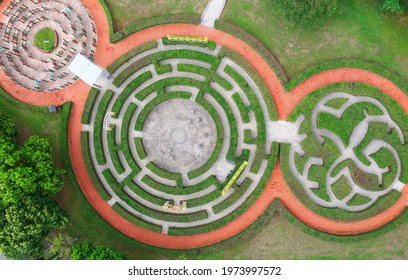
[(212, 12)]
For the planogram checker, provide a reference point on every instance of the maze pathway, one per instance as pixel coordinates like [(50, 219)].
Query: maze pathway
[(186, 82)]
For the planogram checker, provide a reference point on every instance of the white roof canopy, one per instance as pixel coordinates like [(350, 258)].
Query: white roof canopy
[(85, 69)]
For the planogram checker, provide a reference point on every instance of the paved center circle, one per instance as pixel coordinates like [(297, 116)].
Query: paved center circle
[(179, 135)]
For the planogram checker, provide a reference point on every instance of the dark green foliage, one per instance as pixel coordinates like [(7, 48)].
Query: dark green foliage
[(307, 11), (7, 127), (36, 153), (90, 101), (24, 225), (396, 6), (27, 170), (106, 253), (8, 152), (84, 250), (81, 250), (28, 179)]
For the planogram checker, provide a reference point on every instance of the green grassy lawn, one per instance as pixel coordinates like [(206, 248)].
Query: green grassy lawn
[(126, 12), (359, 29), (45, 39)]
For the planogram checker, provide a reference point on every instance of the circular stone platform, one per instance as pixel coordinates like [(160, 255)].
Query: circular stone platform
[(179, 135)]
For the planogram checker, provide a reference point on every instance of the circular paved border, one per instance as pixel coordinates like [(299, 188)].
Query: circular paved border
[(276, 187)]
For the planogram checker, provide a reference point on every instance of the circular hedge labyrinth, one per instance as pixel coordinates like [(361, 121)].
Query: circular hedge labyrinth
[(30, 66), (349, 163), (168, 132)]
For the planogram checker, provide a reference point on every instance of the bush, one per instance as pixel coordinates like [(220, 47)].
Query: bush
[(86, 251), (90, 101), (397, 6)]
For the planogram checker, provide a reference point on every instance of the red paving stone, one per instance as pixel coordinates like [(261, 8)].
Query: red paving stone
[(276, 187)]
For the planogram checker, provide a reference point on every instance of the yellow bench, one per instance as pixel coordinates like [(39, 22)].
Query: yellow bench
[(234, 178), (187, 39)]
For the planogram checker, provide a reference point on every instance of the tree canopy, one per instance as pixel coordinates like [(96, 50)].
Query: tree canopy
[(23, 226), (397, 6), (27, 170), (28, 179), (84, 250)]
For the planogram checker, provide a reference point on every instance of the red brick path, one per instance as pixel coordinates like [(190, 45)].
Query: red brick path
[(276, 187)]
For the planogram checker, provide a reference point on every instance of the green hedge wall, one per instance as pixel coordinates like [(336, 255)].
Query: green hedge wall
[(133, 28), (256, 45)]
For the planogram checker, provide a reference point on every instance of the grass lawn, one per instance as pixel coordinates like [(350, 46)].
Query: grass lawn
[(125, 12), (358, 29), (45, 39)]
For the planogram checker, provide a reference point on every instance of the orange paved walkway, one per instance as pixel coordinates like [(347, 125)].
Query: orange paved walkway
[(276, 188)]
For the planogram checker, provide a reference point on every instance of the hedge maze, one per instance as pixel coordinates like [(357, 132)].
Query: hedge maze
[(171, 127), (349, 163)]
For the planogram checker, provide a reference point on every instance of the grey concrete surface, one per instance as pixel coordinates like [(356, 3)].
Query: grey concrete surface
[(212, 12), (179, 135)]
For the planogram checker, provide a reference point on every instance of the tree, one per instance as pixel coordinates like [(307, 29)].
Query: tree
[(9, 154), (84, 250), (307, 11), (24, 226), (396, 6), (27, 170), (81, 250), (36, 153), (106, 253), (7, 127), (28, 179), (58, 247)]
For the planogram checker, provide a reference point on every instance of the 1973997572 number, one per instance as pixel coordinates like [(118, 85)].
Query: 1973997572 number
[(255, 270)]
